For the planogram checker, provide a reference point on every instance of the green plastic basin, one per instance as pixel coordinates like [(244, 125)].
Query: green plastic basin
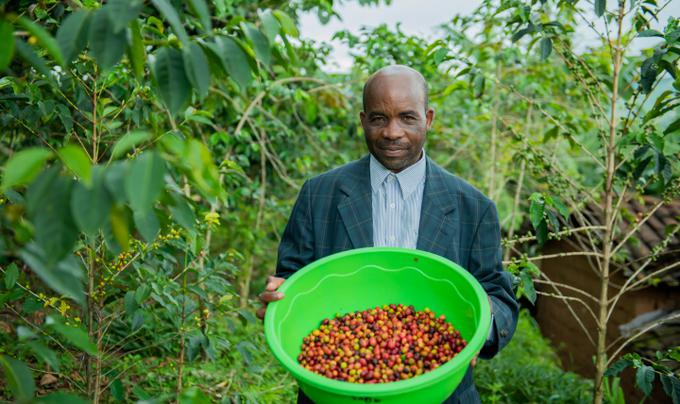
[(364, 278)]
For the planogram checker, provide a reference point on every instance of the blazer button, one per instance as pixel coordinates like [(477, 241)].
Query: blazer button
[(504, 333)]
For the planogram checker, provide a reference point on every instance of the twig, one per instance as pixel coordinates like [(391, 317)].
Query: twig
[(567, 232), (642, 331), (565, 286), (637, 226)]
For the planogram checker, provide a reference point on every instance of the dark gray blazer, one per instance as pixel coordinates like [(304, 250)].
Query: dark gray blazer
[(333, 213)]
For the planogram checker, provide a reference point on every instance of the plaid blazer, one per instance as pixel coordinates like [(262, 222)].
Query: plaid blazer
[(333, 213)]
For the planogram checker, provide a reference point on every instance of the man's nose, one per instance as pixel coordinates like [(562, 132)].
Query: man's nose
[(393, 130)]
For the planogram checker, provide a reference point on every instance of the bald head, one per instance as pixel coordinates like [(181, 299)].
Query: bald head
[(397, 72)]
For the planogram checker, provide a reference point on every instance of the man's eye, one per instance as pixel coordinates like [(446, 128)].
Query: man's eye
[(378, 119), (409, 118)]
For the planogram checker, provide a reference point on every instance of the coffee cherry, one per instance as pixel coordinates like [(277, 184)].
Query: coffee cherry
[(380, 345)]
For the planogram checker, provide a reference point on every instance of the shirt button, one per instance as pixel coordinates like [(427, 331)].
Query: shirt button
[(392, 205)]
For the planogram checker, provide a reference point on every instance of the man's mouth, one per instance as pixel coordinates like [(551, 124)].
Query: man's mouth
[(391, 152)]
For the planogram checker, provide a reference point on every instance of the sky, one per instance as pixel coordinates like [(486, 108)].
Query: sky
[(416, 17)]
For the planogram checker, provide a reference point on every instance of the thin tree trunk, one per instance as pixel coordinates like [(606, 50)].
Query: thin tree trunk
[(491, 187), (180, 366), (600, 358), (248, 273)]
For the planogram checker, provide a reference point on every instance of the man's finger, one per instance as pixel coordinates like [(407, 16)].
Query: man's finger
[(260, 312), (270, 296), (274, 282)]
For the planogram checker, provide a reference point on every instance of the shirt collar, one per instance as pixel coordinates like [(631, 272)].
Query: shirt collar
[(408, 179)]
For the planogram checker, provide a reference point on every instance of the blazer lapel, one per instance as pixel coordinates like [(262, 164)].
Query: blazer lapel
[(436, 221), (356, 207)]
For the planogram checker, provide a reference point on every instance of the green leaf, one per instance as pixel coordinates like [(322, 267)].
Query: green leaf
[(197, 69), (7, 39), (74, 335), (137, 320), (120, 226), (260, 43), (519, 34), (478, 86), (201, 10), (173, 84), (23, 166), (45, 354), (561, 208), (181, 212), (671, 385), (552, 218), (617, 367), (600, 7), (542, 233), (106, 45), (287, 23), (128, 141), (75, 158), (648, 72), (44, 39), (136, 52), (65, 117), (19, 378), (12, 296), (48, 200), (115, 175), (650, 33), (234, 59), (198, 159), (32, 58), (193, 395), (118, 391), (65, 277), (672, 127), (270, 25), (147, 224), (644, 378), (121, 12), (528, 284), (536, 210), (60, 398), (247, 316), (73, 34), (440, 55), (145, 181), (170, 14), (546, 48), (130, 303), (90, 220), (11, 275), (142, 293)]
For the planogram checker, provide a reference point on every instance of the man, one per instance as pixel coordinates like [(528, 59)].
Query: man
[(398, 197)]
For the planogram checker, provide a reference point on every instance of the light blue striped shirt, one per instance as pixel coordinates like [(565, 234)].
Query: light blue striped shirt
[(397, 199)]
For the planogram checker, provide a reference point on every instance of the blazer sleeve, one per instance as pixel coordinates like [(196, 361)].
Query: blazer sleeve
[(485, 263), (296, 248)]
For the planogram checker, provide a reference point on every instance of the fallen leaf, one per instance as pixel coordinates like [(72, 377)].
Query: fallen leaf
[(47, 379)]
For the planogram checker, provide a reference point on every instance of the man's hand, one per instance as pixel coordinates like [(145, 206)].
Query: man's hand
[(270, 294), (474, 360)]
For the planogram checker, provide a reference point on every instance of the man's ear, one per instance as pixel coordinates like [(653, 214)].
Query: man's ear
[(429, 117), (362, 117)]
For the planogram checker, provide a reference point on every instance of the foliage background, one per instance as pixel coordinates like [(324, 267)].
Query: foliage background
[(152, 151)]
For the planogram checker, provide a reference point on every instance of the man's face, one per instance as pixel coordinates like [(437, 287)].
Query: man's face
[(395, 120)]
